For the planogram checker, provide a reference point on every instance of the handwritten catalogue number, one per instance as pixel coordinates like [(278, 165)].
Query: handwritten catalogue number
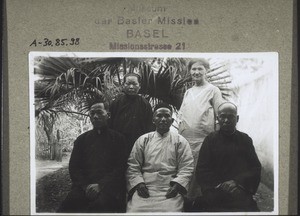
[(57, 42)]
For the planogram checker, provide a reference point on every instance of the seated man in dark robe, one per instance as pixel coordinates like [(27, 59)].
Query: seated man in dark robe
[(97, 168), (131, 114), (228, 169)]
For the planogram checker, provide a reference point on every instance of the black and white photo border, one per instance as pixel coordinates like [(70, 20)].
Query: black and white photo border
[(270, 65)]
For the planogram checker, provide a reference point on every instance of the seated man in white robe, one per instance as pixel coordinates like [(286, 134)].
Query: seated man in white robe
[(160, 167)]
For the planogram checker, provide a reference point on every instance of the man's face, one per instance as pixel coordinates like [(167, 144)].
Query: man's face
[(98, 115), (131, 85), (198, 72), (227, 117), (162, 119)]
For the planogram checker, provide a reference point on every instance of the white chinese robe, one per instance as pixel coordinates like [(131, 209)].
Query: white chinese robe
[(157, 161)]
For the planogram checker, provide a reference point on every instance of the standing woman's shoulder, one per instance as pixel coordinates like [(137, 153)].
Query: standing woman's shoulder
[(143, 100), (213, 87), (119, 97)]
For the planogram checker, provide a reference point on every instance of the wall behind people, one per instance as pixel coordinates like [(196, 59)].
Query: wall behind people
[(254, 82)]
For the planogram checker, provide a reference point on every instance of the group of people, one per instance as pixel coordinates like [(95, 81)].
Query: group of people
[(132, 162)]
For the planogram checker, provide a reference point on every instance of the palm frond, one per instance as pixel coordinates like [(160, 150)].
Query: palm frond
[(80, 81)]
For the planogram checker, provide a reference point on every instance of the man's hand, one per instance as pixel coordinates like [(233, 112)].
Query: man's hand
[(142, 190), (229, 186), (173, 191), (92, 191)]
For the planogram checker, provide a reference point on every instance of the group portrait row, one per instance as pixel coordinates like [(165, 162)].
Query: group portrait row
[(133, 160), (155, 133)]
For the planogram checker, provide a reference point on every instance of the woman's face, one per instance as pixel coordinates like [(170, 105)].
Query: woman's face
[(198, 72), (131, 85)]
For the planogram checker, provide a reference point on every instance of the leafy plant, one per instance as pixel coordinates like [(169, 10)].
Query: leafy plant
[(70, 85)]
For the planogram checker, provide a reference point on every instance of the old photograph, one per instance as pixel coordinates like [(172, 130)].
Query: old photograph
[(154, 133)]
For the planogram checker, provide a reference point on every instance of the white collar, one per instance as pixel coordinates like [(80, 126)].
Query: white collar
[(162, 136)]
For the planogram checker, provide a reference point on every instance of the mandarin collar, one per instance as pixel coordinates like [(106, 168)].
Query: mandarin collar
[(228, 135), (100, 131), (162, 136), (131, 97)]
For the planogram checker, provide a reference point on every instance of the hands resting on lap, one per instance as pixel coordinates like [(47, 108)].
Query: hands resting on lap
[(92, 191), (142, 190), (230, 187)]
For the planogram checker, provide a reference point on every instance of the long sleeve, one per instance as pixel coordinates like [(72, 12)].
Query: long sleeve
[(148, 119), (180, 111), (111, 181), (217, 99), (204, 172), (185, 164), (76, 165), (135, 164), (250, 179), (181, 123), (112, 111)]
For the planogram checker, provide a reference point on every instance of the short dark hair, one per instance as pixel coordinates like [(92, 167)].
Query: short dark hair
[(132, 74), (105, 103), (203, 61), (162, 105)]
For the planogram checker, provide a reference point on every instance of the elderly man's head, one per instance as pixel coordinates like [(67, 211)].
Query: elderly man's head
[(99, 115), (162, 117), (227, 117)]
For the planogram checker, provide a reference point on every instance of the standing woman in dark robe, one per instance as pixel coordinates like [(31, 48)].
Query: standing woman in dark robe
[(131, 114)]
